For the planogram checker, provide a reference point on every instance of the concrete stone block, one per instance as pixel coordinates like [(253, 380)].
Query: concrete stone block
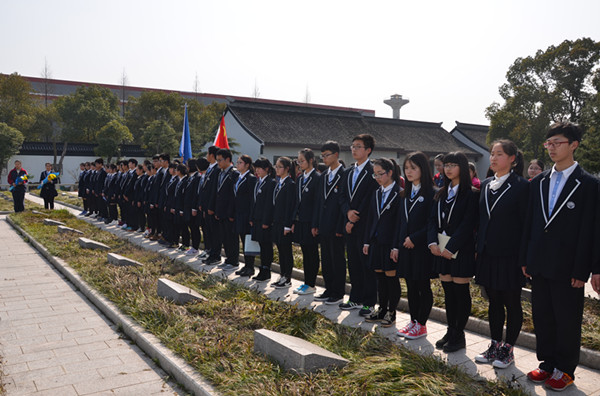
[(117, 259), (177, 293), (91, 244), (65, 230), (36, 212), (294, 353), (53, 222)]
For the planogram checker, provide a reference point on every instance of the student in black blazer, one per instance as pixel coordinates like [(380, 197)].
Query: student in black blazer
[(410, 250), (379, 240), (190, 213), (261, 216), (284, 203), (243, 190), (208, 190), (306, 196), (49, 188), (454, 215), (180, 227), (111, 194), (223, 206), (557, 254), (169, 208), (359, 186), (97, 187), (327, 225), (502, 211)]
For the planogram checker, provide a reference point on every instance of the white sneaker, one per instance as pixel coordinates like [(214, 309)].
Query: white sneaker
[(307, 290), (191, 252)]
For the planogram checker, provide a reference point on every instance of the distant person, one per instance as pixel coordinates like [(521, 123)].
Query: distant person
[(474, 177), (535, 168), (49, 188), (438, 164), (17, 178)]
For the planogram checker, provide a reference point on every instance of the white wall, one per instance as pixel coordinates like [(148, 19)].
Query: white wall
[(483, 164), (246, 143)]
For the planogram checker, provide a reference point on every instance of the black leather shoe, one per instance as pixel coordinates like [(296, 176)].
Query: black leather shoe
[(439, 344), (456, 342)]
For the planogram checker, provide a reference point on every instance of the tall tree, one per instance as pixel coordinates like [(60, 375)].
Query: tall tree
[(83, 114), (551, 86), (160, 137), (16, 104), (589, 151), (11, 140), (152, 106), (110, 138)]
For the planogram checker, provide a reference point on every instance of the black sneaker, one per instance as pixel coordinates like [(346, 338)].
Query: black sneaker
[(283, 283), (389, 319), (376, 316), (333, 301), (322, 297), (349, 305), (263, 276), (365, 310), (212, 261)]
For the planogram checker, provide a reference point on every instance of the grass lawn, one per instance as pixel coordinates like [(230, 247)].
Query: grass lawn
[(216, 337)]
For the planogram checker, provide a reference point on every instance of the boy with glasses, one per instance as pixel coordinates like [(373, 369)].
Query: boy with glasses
[(557, 255)]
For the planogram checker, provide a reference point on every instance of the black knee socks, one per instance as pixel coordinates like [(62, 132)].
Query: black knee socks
[(394, 292), (420, 300), (463, 305), (450, 303), (382, 290)]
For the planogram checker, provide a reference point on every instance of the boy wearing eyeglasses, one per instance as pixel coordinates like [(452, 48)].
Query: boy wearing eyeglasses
[(557, 255)]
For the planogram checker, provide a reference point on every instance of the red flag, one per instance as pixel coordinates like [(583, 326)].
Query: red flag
[(221, 138)]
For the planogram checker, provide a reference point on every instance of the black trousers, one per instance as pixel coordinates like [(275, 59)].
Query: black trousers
[(248, 260), (194, 230), (228, 239), (557, 314), (310, 262), (362, 278), (333, 263), (48, 202), (102, 206), (18, 195), (113, 212), (266, 253), (286, 256), (212, 237), (141, 216)]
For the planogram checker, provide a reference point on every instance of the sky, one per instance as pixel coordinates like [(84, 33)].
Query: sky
[(447, 57)]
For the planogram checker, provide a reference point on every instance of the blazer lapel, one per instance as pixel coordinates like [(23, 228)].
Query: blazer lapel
[(544, 189), (332, 184), (571, 185)]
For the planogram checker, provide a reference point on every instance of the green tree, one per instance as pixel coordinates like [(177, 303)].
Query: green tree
[(152, 106), (83, 114), (110, 138), (589, 151), (554, 85), (11, 140), (16, 104), (159, 137)]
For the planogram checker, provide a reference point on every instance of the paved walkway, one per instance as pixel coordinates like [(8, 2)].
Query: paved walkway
[(587, 380), (54, 342)]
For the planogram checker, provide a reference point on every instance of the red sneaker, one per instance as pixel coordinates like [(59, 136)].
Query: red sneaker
[(559, 381), (538, 375)]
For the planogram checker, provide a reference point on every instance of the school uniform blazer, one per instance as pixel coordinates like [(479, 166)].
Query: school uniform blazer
[(327, 216), (162, 191), (244, 197), (87, 179), (413, 219), (501, 223), (180, 194), (223, 202), (460, 225), (262, 210), (382, 222), (559, 246), (306, 197), (156, 185), (208, 189), (99, 181), (129, 190), (190, 197), (358, 198), (49, 188), (81, 183), (284, 202), (170, 188), (139, 187)]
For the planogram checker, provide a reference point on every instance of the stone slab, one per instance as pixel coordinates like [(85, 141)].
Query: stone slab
[(176, 292), (294, 353), (91, 244), (53, 222), (36, 212), (117, 259), (65, 230)]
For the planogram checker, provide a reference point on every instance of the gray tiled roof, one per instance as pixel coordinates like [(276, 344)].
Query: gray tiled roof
[(476, 133), (76, 149), (304, 126)]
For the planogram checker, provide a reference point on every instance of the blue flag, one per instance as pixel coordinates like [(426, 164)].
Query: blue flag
[(185, 148)]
